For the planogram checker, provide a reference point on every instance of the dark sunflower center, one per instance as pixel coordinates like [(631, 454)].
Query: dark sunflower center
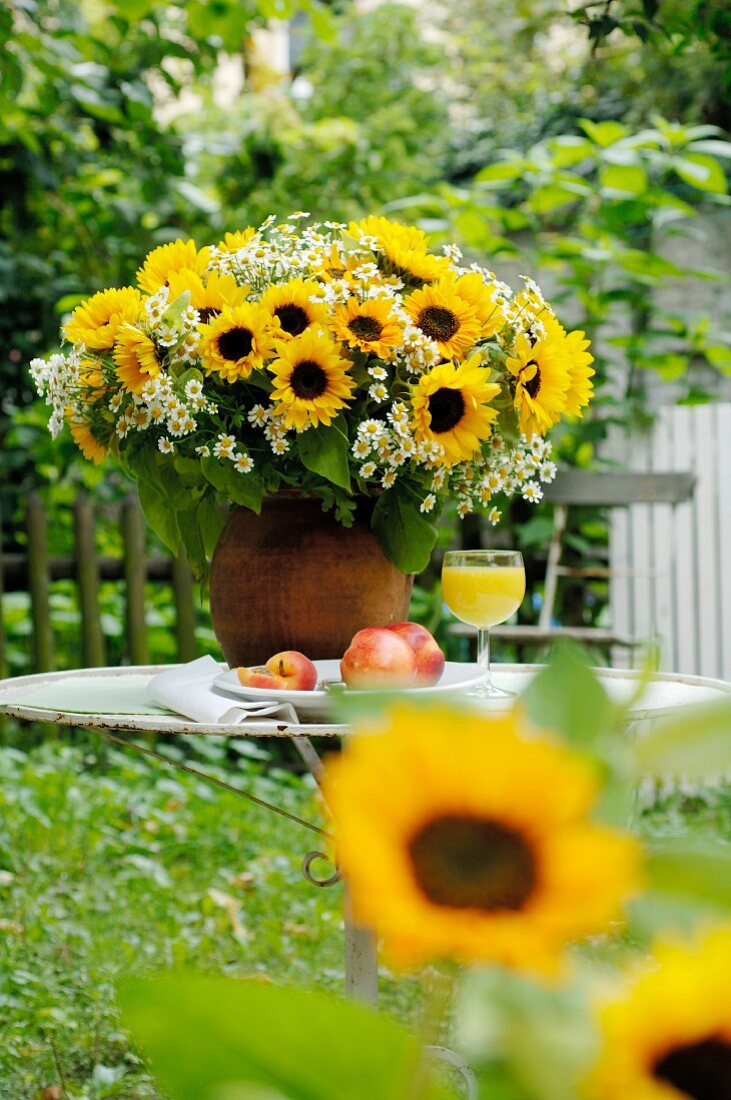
[(292, 318), (365, 327), (534, 384), (206, 313), (308, 379), (700, 1070), (235, 344), (467, 862), (438, 323), (446, 409)]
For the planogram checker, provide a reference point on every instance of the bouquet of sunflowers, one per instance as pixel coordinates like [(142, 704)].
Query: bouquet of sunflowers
[(342, 361)]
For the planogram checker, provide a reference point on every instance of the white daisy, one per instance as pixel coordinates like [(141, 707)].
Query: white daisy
[(428, 503), (165, 445), (243, 463)]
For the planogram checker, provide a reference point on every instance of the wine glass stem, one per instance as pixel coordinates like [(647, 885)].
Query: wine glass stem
[(483, 658)]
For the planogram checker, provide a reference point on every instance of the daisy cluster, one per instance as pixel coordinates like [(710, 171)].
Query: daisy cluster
[(423, 373)]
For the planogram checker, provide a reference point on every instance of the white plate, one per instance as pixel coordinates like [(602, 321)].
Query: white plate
[(457, 677)]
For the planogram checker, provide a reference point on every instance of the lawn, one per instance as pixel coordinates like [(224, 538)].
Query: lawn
[(124, 866)]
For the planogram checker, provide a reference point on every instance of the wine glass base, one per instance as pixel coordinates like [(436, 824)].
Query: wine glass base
[(489, 691)]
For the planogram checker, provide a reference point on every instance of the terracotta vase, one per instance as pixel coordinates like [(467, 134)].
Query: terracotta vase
[(294, 578)]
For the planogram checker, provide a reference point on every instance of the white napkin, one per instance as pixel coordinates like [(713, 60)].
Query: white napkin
[(188, 690)]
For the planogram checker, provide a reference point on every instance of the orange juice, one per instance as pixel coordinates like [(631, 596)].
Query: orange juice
[(483, 595)]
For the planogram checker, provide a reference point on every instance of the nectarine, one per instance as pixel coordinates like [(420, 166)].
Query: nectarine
[(429, 657), (377, 658), (289, 670)]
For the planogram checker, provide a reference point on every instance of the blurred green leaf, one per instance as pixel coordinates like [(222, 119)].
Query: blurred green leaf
[(701, 171), (405, 534), (567, 697), (207, 1034), (694, 743), (696, 870)]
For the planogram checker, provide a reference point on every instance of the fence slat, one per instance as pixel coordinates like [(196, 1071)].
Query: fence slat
[(184, 595), (38, 585), (3, 638), (93, 648), (133, 534)]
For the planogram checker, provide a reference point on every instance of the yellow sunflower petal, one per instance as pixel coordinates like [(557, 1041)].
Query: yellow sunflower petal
[(451, 407), (96, 321), (454, 847), (167, 259), (311, 380)]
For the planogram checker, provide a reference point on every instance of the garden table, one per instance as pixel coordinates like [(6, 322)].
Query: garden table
[(122, 707)]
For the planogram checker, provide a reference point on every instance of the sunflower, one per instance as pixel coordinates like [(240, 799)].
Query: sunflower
[(404, 247), (669, 1036), (136, 357), (462, 837), (368, 325), (91, 379), (444, 317), (473, 289), (232, 242), (311, 380), (291, 306), (451, 407), (237, 341), (572, 347), (96, 321), (166, 259), (542, 381), (84, 438), (208, 298)]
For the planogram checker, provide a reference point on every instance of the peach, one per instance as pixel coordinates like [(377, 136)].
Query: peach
[(296, 670), (258, 677), (377, 658), (429, 657), (289, 670)]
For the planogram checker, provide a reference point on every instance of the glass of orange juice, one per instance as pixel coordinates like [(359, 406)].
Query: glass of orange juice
[(483, 588)]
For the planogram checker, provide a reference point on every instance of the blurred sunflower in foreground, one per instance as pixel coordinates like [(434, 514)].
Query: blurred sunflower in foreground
[(669, 1036), (470, 838)]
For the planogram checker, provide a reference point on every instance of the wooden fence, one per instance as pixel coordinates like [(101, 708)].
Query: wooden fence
[(673, 565), (35, 570)]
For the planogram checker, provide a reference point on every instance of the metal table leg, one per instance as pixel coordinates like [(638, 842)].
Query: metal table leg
[(361, 953)]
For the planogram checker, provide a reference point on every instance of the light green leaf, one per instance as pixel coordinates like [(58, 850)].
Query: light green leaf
[(550, 197), (325, 451), (208, 1037), (567, 697), (176, 309), (695, 743), (625, 179), (701, 171), (504, 170), (603, 133), (406, 536), (211, 521), (690, 869)]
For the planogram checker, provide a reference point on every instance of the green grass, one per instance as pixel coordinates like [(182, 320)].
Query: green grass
[(130, 867), (134, 869)]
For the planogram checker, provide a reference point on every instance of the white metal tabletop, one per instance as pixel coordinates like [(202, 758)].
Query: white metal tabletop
[(664, 693)]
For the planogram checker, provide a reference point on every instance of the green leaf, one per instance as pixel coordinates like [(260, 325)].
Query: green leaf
[(244, 489), (550, 197), (567, 697), (209, 1037), (603, 133), (694, 743), (504, 170), (625, 179), (162, 518), (176, 309), (325, 451), (211, 521), (696, 870), (406, 536), (701, 171)]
